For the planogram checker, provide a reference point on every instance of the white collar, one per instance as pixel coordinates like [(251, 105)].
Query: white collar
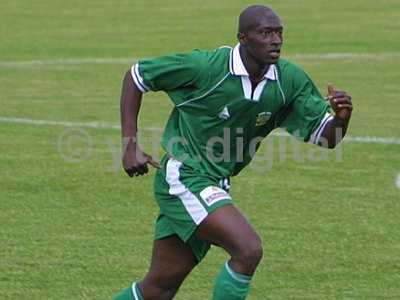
[(237, 67)]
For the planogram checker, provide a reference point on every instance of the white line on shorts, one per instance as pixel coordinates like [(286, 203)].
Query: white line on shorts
[(101, 125)]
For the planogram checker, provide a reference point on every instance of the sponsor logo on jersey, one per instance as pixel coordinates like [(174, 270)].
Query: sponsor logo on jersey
[(213, 194), (263, 118), (224, 114)]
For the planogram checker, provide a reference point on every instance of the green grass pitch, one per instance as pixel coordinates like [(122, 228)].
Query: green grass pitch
[(73, 226)]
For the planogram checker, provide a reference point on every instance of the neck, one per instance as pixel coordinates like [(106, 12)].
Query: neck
[(255, 69)]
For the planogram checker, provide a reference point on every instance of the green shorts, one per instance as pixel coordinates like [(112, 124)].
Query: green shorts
[(185, 199)]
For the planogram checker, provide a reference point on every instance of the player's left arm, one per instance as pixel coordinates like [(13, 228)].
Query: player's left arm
[(336, 128)]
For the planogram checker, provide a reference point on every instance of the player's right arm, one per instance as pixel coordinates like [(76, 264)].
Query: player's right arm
[(163, 73), (134, 160)]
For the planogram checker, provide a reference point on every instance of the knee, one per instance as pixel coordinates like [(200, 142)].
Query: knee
[(251, 251)]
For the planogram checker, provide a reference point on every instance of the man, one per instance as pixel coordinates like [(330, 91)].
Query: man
[(228, 95)]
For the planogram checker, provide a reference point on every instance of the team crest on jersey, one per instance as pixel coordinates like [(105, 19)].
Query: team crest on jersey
[(263, 118), (213, 194)]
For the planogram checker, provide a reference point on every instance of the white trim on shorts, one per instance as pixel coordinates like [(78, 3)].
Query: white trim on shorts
[(176, 188)]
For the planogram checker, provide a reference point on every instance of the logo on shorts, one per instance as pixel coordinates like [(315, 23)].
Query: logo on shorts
[(213, 194)]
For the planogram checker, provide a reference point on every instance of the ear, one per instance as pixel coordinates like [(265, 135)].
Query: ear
[(242, 38)]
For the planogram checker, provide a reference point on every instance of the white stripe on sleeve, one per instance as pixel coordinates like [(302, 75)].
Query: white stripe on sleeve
[(316, 135), (138, 79)]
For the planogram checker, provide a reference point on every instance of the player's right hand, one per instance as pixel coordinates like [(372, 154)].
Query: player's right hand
[(135, 162)]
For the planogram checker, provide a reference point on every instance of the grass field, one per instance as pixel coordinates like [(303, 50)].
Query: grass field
[(73, 226)]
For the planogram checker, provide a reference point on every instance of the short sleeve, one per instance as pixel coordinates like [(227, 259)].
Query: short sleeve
[(307, 111), (169, 72)]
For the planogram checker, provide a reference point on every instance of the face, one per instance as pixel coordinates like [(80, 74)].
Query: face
[(263, 41)]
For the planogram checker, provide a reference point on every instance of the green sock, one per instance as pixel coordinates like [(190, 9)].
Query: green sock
[(231, 285), (130, 293)]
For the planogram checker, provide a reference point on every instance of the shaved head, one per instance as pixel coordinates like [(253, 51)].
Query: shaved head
[(250, 17), (260, 35)]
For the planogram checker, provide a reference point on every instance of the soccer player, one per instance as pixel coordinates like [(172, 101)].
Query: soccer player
[(225, 102)]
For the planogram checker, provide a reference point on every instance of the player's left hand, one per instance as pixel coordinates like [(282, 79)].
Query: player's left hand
[(340, 102)]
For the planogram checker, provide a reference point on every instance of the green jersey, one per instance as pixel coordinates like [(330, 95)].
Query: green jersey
[(219, 118)]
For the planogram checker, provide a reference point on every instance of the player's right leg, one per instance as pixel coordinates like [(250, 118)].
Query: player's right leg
[(176, 250), (172, 260)]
